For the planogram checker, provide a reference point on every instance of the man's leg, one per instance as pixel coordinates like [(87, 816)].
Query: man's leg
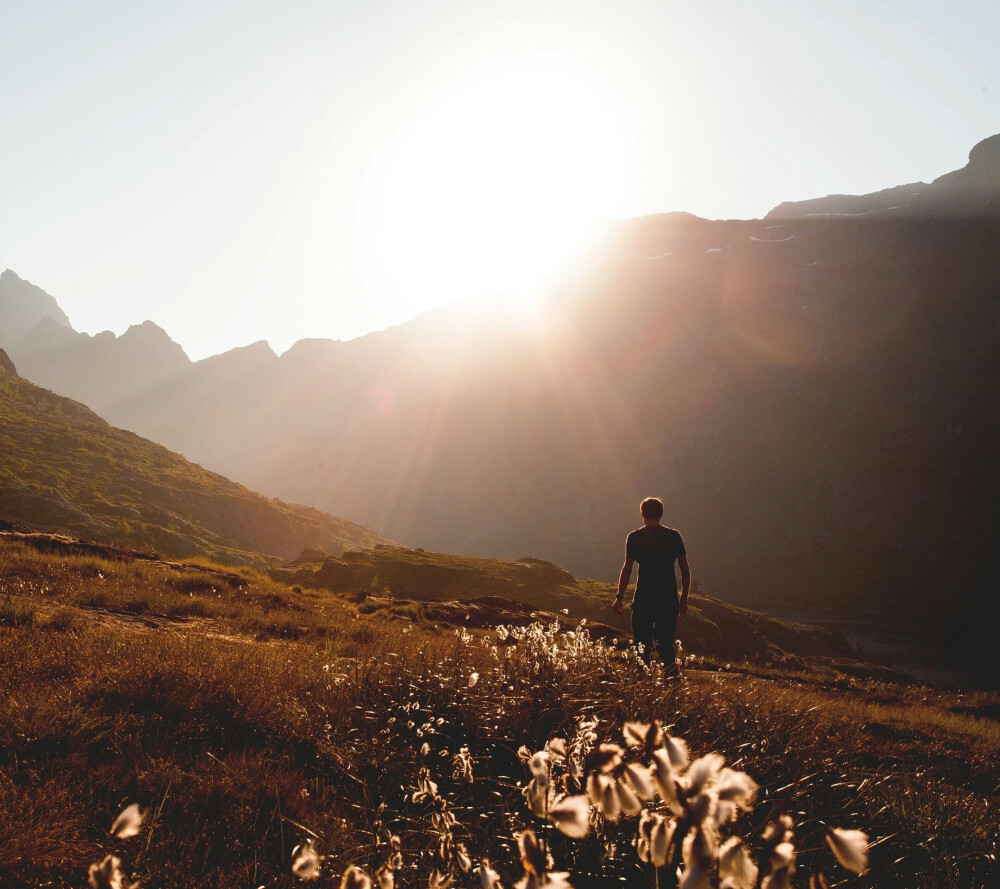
[(664, 632), (642, 631)]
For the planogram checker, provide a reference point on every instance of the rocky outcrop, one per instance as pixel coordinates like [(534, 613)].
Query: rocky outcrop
[(973, 190), (6, 365)]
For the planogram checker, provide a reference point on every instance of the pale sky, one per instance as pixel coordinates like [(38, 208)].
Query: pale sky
[(247, 170)]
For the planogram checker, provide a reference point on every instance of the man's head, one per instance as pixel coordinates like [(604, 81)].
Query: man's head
[(651, 509)]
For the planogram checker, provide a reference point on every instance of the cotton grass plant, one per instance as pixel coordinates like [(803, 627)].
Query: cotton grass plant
[(107, 873), (679, 815)]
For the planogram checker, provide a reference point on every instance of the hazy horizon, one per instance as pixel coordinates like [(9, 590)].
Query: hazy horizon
[(237, 175)]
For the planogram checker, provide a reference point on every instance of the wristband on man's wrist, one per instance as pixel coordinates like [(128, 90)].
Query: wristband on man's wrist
[(620, 596)]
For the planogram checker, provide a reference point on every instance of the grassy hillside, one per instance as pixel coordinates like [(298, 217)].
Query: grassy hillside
[(245, 717), (388, 574), (63, 468)]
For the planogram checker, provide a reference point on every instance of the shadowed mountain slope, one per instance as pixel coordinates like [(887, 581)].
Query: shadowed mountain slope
[(63, 468)]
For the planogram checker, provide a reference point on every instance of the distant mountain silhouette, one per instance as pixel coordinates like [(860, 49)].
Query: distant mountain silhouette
[(813, 393), (65, 469), (102, 368), (22, 307)]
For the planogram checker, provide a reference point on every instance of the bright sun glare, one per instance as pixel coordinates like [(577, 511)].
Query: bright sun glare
[(492, 184)]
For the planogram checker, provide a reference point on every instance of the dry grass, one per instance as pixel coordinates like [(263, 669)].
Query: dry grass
[(238, 601), (273, 713)]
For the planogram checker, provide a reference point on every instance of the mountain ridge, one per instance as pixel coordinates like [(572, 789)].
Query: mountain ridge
[(971, 190), (981, 171)]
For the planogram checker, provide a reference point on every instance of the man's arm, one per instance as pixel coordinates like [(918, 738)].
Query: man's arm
[(682, 606), (623, 579)]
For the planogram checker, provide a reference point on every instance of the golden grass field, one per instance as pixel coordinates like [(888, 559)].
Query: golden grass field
[(245, 717)]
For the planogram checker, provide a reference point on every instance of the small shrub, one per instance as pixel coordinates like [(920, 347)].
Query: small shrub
[(188, 608), (198, 584), (94, 599), (16, 612), (362, 635), (138, 605), (63, 619), (275, 602)]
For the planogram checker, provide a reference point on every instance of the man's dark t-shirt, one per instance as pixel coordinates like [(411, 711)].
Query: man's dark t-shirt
[(655, 548)]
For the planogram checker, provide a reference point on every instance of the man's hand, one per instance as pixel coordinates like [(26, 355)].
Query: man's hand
[(682, 605), (623, 578)]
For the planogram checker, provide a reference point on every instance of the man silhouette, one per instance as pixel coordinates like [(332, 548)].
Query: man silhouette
[(655, 605)]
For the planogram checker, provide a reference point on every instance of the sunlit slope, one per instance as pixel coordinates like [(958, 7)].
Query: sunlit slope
[(63, 468)]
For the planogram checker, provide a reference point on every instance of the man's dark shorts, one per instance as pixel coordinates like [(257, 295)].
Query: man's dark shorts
[(657, 626)]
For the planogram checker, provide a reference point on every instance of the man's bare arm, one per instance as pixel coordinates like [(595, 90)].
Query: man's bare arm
[(682, 606), (623, 580)]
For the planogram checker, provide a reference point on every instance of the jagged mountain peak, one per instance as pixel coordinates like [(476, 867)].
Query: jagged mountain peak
[(312, 349), (241, 358), (147, 327), (22, 306), (100, 369), (260, 350), (986, 155), (48, 333), (260, 347), (980, 176), (149, 335), (10, 277)]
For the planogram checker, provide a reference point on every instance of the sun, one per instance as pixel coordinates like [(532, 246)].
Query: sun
[(492, 184)]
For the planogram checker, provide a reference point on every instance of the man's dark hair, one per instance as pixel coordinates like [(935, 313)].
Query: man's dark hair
[(651, 508)]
